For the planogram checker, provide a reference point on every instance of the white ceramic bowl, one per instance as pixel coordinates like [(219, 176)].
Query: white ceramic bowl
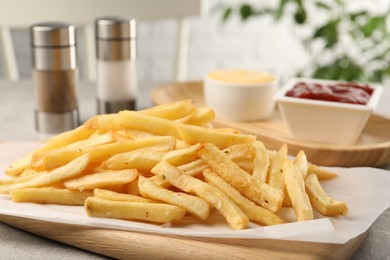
[(324, 121), (240, 100)]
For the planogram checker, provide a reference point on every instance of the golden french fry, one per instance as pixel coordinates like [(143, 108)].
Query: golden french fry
[(20, 179), (302, 163), (144, 160), (295, 186), (182, 156), (171, 111), (121, 136), (154, 212), (233, 214), (321, 173), (321, 201), (261, 161), (245, 164), (112, 195), (193, 168), (77, 134), (101, 180), (132, 188), (195, 134), (275, 173), (136, 134), (106, 122), (239, 151), (227, 130), (153, 124), (253, 211), (192, 204), (199, 116), (103, 152), (71, 169), (261, 193), (28, 172), (50, 195), (18, 166), (37, 160), (180, 144)]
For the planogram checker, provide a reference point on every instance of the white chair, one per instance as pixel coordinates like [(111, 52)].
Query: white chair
[(21, 14)]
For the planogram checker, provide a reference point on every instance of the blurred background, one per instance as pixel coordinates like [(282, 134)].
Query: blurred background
[(334, 39)]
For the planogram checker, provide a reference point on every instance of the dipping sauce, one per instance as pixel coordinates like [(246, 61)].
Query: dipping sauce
[(348, 92), (237, 76)]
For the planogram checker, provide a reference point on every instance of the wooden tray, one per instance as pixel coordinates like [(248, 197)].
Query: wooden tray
[(132, 245), (372, 149)]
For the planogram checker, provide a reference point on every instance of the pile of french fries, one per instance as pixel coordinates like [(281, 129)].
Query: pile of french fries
[(159, 164)]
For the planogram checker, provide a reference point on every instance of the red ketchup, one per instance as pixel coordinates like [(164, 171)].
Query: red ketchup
[(352, 93)]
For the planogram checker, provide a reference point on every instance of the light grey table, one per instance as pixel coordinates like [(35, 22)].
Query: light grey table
[(17, 124)]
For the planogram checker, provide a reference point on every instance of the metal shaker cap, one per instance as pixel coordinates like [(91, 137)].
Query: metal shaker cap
[(115, 28), (115, 39), (53, 34), (53, 46)]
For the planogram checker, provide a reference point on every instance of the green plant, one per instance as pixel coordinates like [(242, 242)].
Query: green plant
[(341, 43)]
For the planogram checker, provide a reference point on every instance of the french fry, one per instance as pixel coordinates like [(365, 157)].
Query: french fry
[(295, 186), (28, 172), (103, 152), (195, 134), (239, 151), (171, 111), (50, 195), (233, 214), (321, 201), (37, 160), (261, 193), (144, 160), (77, 134), (182, 156), (153, 212), (18, 166), (321, 173), (199, 116), (71, 169), (144, 122), (275, 173), (261, 161), (107, 122), (101, 180), (111, 195), (20, 179), (253, 211), (132, 188), (136, 134), (302, 163), (192, 204)]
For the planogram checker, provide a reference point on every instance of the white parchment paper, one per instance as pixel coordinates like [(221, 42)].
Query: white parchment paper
[(366, 190)]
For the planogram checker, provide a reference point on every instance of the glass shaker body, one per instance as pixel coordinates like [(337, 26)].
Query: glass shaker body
[(116, 64), (55, 77)]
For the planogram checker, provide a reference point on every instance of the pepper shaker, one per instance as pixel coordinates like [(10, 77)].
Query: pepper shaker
[(55, 77), (116, 67)]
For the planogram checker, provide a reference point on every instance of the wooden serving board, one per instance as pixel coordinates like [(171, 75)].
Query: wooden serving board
[(133, 245), (372, 149)]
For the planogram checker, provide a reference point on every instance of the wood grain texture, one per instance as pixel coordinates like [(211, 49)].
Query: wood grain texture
[(372, 149), (133, 245)]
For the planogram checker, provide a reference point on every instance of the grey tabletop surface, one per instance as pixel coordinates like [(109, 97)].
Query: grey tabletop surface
[(17, 124)]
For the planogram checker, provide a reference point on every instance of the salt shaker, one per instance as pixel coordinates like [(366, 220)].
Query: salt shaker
[(116, 67), (55, 77)]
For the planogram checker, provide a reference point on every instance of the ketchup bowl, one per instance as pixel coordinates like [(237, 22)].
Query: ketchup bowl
[(327, 111)]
